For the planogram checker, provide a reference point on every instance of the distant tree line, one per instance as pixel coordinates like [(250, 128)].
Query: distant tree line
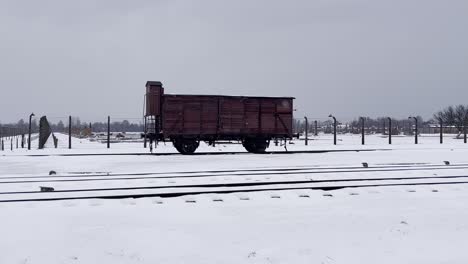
[(456, 116), (77, 126)]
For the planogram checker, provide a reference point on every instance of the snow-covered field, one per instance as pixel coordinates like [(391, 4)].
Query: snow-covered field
[(388, 222)]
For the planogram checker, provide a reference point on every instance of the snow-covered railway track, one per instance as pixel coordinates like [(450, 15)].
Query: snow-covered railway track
[(245, 184), (217, 174), (184, 190), (330, 169)]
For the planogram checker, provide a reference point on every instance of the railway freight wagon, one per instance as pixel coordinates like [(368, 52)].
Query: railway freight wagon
[(188, 119)]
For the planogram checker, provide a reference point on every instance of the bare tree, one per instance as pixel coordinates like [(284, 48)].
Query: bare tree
[(456, 116)]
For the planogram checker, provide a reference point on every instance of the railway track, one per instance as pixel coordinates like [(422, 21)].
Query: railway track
[(232, 186), (266, 169), (245, 184), (222, 173), (225, 191)]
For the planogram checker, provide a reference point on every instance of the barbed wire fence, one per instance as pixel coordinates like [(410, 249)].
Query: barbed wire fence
[(12, 137), (108, 130), (113, 129), (386, 126)]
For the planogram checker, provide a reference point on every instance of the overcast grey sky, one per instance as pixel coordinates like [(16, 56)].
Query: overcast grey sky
[(91, 58)]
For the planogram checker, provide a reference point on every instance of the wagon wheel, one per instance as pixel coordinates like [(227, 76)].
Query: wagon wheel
[(186, 146), (255, 145), (247, 146)]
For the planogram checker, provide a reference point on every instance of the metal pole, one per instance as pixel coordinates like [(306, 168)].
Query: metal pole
[(29, 138), (334, 128), (69, 132), (306, 131), (22, 140), (415, 129), (11, 143), (464, 134), (316, 128), (389, 130), (363, 141), (441, 131), (144, 133), (108, 132)]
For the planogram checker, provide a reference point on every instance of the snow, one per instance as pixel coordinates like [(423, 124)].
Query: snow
[(397, 224)]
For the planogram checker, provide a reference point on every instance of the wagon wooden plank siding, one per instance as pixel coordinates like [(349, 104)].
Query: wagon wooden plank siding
[(188, 119)]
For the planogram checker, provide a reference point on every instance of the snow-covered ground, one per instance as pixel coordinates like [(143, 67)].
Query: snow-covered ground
[(379, 224)]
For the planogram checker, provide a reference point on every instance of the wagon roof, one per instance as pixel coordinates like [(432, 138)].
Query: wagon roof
[(232, 96)]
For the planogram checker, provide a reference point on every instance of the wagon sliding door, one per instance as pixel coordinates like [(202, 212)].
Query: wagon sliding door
[(276, 117), (209, 116), (231, 116), (284, 117), (268, 122), (172, 116), (192, 117), (252, 116)]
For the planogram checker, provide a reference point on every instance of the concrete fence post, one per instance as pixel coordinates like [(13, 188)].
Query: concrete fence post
[(69, 132), (441, 133), (108, 131), (306, 131), (334, 128), (363, 131), (389, 130)]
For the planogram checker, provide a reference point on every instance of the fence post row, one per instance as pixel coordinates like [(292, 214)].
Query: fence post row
[(14, 133)]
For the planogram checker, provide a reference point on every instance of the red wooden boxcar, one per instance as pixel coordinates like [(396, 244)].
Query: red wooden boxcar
[(188, 119)]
